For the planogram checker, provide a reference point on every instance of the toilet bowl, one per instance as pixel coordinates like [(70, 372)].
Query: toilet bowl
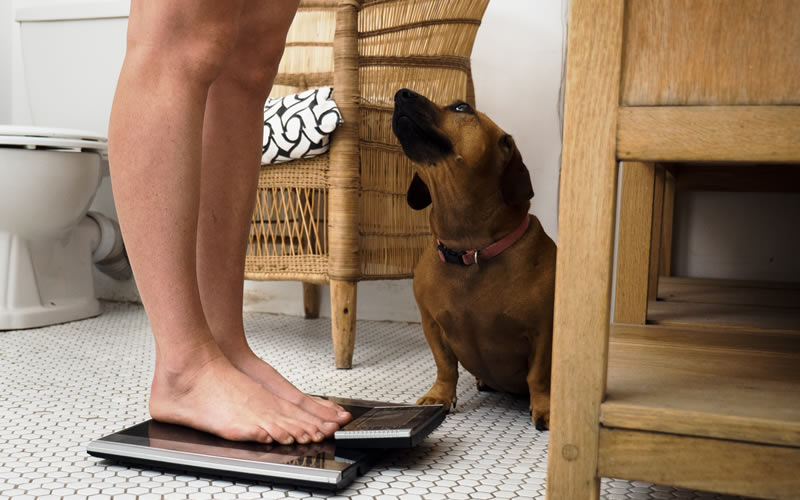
[(66, 56), (48, 240)]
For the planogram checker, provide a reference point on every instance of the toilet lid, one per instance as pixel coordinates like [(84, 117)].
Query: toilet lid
[(13, 135)]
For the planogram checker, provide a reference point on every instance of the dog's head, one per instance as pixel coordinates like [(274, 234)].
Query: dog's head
[(459, 138)]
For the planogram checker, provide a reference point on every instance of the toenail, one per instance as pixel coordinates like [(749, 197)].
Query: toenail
[(343, 414), (320, 436)]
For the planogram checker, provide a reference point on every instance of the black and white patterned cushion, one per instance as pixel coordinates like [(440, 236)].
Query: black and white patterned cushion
[(299, 125)]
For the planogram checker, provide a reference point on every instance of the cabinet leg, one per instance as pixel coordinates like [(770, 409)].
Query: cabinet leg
[(635, 235), (657, 232), (666, 224), (587, 205)]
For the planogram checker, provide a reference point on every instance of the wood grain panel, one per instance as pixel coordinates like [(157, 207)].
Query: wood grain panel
[(731, 292), (730, 316), (634, 244), (707, 464), (659, 187), (667, 223), (769, 134), (743, 386), (711, 52)]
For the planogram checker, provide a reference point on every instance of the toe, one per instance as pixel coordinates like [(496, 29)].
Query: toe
[(329, 428), (326, 410), (314, 424), (298, 431), (278, 433), (243, 432)]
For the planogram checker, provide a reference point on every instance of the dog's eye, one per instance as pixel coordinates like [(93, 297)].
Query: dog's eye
[(462, 107)]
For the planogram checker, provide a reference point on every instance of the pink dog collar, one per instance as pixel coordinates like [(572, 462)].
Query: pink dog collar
[(469, 257)]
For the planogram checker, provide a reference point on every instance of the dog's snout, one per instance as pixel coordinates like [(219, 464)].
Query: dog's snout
[(405, 95)]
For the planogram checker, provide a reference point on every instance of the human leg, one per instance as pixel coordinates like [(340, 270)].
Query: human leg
[(176, 49), (232, 138)]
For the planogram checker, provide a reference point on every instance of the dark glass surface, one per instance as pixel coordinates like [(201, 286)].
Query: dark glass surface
[(390, 418), (367, 415), (158, 435)]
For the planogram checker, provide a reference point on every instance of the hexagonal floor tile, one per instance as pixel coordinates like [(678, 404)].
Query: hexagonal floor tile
[(67, 384)]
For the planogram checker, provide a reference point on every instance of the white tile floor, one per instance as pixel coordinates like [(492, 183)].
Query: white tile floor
[(63, 386)]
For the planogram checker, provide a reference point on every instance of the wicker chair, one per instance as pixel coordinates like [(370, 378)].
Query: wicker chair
[(342, 217)]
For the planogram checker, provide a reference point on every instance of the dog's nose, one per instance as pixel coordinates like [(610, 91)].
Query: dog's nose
[(404, 95)]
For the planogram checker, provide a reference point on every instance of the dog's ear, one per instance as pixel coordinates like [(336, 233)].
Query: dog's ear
[(515, 181), (418, 196)]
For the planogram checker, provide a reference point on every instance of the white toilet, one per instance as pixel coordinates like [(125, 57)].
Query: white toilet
[(49, 175)]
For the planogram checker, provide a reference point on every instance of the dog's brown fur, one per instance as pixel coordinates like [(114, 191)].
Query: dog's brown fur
[(495, 318)]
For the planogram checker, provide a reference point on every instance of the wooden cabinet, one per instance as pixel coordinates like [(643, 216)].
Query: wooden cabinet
[(691, 383)]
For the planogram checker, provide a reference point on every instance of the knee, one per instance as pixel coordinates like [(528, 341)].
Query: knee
[(252, 69), (199, 56), (204, 58)]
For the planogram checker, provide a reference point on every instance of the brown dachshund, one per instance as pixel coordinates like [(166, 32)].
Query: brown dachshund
[(485, 289)]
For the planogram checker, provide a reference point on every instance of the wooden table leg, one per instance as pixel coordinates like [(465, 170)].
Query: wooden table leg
[(587, 208), (634, 248), (667, 223), (657, 233)]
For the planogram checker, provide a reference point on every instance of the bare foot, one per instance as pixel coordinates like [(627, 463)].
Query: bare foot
[(214, 396), (262, 372)]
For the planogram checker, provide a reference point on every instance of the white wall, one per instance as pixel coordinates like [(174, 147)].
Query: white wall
[(5, 61), (517, 66), (749, 236), (518, 91)]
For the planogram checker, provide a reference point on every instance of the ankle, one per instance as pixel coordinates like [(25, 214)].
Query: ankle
[(234, 347), (177, 362), (239, 355)]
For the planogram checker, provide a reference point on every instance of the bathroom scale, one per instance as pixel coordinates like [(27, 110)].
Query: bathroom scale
[(386, 425), (331, 464)]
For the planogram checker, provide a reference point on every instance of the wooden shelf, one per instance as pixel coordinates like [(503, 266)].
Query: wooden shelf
[(743, 305), (680, 401), (704, 382)]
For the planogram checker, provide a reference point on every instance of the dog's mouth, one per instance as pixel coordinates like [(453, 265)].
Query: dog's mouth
[(403, 125), (414, 125), (407, 130)]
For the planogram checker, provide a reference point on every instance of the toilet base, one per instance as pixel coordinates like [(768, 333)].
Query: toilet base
[(47, 280), (49, 314)]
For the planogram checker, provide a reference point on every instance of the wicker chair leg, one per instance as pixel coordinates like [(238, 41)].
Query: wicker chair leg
[(311, 295), (343, 321)]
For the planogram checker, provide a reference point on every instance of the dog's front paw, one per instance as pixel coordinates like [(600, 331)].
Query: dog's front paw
[(439, 396), (426, 400), (541, 422), (540, 411)]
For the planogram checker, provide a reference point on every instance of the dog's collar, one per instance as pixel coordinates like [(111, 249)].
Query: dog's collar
[(469, 257)]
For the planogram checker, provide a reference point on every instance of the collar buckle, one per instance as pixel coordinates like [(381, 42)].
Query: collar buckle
[(450, 256), (470, 257)]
